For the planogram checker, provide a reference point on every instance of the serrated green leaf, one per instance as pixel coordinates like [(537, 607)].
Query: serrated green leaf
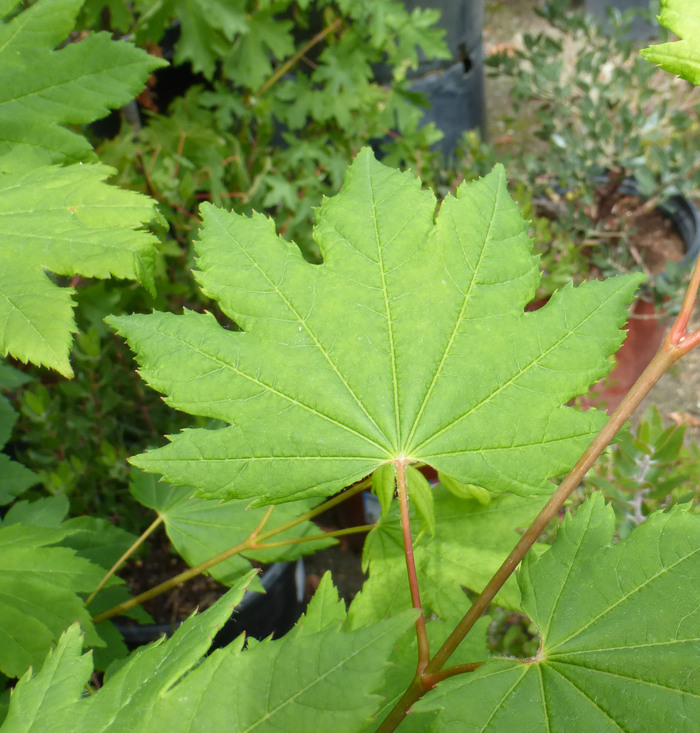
[(384, 486), (38, 596), (470, 543), (682, 17), (202, 528), (41, 89), (326, 610), (14, 477), (42, 25), (409, 343), (125, 701), (68, 221), (39, 702), (263, 688), (620, 626)]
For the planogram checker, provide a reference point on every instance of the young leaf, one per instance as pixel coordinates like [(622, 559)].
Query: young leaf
[(619, 626), (409, 343), (384, 485), (682, 17), (421, 494)]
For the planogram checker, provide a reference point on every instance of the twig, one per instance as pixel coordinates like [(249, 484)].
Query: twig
[(246, 544), (287, 65)]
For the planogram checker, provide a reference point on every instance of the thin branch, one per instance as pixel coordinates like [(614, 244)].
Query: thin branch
[(246, 544), (144, 536), (312, 537), (292, 60), (421, 633)]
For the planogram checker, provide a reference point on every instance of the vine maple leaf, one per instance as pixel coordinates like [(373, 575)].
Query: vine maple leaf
[(410, 342)]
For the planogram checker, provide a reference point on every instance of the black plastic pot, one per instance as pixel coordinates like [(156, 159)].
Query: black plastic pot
[(454, 87), (456, 98), (258, 614), (685, 217)]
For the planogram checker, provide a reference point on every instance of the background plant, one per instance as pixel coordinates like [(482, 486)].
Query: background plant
[(603, 115)]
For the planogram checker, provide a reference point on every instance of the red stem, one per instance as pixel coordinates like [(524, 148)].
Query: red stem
[(421, 634)]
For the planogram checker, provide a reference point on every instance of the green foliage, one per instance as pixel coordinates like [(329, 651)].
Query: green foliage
[(202, 528), (15, 478), (64, 220), (609, 660), (408, 347), (290, 97), (603, 115), (389, 384), (264, 686), (682, 57), (470, 542), (646, 469)]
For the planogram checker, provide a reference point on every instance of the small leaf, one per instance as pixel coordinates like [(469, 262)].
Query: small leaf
[(465, 491), (384, 485), (420, 493)]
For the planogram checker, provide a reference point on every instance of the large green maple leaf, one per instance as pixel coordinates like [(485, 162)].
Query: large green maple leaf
[(620, 630), (679, 57), (410, 342)]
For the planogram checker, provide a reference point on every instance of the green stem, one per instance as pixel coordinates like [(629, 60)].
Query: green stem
[(249, 543), (312, 537), (421, 633), (144, 536), (292, 60), (677, 343)]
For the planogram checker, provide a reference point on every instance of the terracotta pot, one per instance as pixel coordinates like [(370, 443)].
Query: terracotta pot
[(647, 325)]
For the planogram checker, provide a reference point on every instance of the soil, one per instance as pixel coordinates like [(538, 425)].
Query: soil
[(178, 603), (653, 238)]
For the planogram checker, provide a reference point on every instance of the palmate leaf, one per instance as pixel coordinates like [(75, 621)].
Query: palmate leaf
[(202, 528), (64, 221), (679, 57), (264, 688), (620, 628), (409, 342)]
